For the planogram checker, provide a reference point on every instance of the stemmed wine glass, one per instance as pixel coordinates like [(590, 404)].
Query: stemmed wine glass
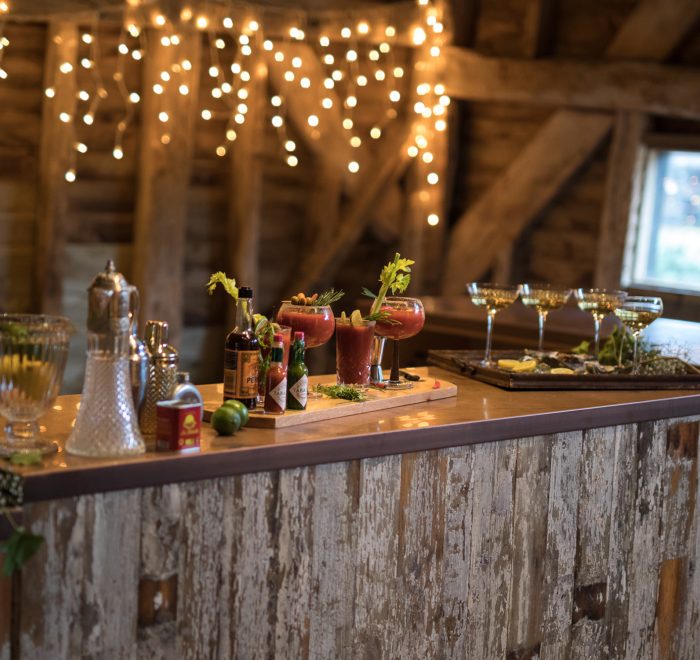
[(494, 297), (33, 354), (636, 313), (544, 298), (600, 303), (406, 319)]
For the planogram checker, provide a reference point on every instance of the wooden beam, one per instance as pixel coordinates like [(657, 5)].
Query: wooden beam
[(520, 194), (537, 28), (246, 175), (639, 87), (388, 166), (56, 153), (621, 194), (626, 44), (329, 140), (163, 181), (654, 29)]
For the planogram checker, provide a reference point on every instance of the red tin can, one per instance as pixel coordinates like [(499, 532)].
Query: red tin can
[(178, 425)]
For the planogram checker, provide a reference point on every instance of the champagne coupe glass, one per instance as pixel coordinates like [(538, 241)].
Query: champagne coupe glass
[(406, 319), (600, 303), (33, 354), (317, 322), (494, 297), (543, 298), (636, 313)]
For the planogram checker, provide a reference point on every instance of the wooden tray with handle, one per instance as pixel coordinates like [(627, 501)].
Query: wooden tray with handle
[(467, 363), (324, 408)]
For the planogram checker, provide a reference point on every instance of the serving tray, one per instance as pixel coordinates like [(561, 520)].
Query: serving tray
[(324, 408), (467, 363)]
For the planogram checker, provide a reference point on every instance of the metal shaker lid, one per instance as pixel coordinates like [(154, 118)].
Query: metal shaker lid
[(157, 342), (109, 300)]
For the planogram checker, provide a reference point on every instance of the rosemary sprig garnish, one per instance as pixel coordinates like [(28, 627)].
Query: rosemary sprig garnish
[(348, 392), (329, 297)]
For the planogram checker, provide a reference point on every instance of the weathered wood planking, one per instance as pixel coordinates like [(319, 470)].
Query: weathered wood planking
[(580, 545)]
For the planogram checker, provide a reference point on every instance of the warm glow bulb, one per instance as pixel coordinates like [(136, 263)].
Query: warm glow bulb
[(134, 97), (246, 50), (362, 81), (328, 59), (375, 132), (329, 83), (165, 41), (50, 92), (438, 28), (337, 75), (276, 101), (267, 45), (165, 138), (277, 121), (244, 39), (346, 32), (242, 108), (279, 56), (216, 93), (412, 151), (253, 26), (186, 65), (202, 22), (221, 151), (394, 96), (245, 76), (433, 219), (379, 74), (363, 27), (327, 103), (206, 114), (66, 67), (324, 41), (226, 88), (87, 38), (355, 141), (432, 178), (353, 166), (384, 47), (440, 125), (231, 135), (163, 116), (292, 160), (175, 40), (296, 62), (81, 148), (213, 71), (64, 117), (435, 51), (418, 107), (136, 54), (242, 93), (70, 176), (398, 72), (4, 7), (159, 20), (164, 76), (227, 22), (421, 141), (374, 55), (390, 31), (239, 118), (423, 89), (351, 101), (289, 76), (445, 100), (351, 56), (312, 120), (439, 89), (88, 119), (118, 153), (184, 90), (220, 44), (347, 123), (235, 68), (290, 145), (157, 88), (427, 157), (419, 36)]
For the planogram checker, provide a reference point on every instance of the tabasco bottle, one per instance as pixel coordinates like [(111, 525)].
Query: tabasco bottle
[(242, 354), (297, 375), (276, 385)]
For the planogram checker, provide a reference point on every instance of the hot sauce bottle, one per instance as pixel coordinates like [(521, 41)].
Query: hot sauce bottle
[(297, 375), (242, 354), (276, 389)]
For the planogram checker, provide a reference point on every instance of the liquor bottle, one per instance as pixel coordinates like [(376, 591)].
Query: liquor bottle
[(297, 375), (242, 354), (276, 386)]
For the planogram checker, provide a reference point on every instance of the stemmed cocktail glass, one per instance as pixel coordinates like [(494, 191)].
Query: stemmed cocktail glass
[(406, 318), (33, 354), (600, 303), (494, 297), (636, 313), (544, 298)]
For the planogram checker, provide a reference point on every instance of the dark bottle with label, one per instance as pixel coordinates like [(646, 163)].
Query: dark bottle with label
[(276, 389), (242, 354), (297, 375)]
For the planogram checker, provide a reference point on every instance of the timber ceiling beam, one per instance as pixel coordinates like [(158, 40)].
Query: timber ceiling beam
[(612, 86), (676, 15), (528, 185)]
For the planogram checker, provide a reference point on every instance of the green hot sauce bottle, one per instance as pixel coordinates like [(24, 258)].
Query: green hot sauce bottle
[(297, 375)]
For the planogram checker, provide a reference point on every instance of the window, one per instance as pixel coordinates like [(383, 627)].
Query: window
[(664, 243)]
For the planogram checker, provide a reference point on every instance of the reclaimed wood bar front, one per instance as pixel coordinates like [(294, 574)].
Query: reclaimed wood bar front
[(491, 525)]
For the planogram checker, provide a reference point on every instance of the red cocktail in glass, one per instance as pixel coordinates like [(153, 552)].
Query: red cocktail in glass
[(316, 322), (406, 319), (353, 351)]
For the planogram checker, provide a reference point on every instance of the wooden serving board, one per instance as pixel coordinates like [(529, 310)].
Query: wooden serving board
[(467, 364), (318, 410)]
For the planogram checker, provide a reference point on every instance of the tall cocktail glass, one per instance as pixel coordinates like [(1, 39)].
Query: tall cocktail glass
[(600, 303), (406, 318), (543, 298), (33, 354), (353, 351), (636, 313), (494, 297)]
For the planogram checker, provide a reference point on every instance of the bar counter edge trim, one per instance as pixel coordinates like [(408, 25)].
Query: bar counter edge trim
[(239, 461)]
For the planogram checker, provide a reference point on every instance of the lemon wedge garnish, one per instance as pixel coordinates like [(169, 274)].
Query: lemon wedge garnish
[(562, 371), (523, 367)]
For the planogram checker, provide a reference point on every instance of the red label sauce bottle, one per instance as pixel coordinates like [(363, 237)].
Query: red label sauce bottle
[(276, 390)]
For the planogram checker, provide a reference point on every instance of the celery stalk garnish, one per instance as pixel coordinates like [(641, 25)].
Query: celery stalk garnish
[(227, 282), (395, 277)]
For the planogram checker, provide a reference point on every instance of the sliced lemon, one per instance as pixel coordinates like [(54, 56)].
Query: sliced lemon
[(526, 366), (508, 364), (356, 317), (562, 371)]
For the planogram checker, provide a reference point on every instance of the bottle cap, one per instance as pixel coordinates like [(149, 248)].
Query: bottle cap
[(298, 336), (278, 338), (245, 292)]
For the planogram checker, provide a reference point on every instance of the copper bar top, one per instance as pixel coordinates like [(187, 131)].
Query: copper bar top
[(479, 413)]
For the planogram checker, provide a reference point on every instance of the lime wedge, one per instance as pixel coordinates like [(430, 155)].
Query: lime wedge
[(356, 317)]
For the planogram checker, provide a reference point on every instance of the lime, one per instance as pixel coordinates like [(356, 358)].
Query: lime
[(356, 317), (240, 407), (226, 420)]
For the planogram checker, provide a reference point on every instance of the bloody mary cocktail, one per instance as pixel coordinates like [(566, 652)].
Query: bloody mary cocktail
[(405, 320), (353, 351), (316, 322)]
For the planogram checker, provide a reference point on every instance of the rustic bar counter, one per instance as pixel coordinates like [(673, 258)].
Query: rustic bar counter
[(494, 524)]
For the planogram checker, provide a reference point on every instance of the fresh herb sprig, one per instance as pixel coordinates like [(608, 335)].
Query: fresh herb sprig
[(395, 277), (227, 282), (348, 392), (329, 297)]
